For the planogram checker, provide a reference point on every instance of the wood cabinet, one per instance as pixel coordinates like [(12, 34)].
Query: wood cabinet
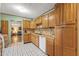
[(26, 24), (66, 13), (59, 14), (38, 20), (33, 25), (26, 38), (50, 46), (4, 26), (58, 41), (69, 40), (69, 13), (34, 39), (52, 19), (45, 21), (78, 29)]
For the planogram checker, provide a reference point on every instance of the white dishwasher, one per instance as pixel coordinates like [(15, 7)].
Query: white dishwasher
[(42, 43)]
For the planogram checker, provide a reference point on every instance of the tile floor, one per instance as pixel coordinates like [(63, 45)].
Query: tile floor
[(20, 49)]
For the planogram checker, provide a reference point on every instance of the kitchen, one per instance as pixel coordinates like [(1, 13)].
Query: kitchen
[(54, 31)]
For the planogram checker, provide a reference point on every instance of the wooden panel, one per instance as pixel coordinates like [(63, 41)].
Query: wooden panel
[(50, 46), (26, 24), (38, 20), (69, 52), (34, 39), (58, 13), (45, 21), (32, 25), (26, 38), (69, 39), (52, 19), (58, 41), (4, 26), (78, 28), (69, 13)]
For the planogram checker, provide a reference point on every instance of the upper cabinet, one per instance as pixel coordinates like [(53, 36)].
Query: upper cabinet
[(45, 21), (38, 20), (26, 24), (65, 13), (32, 24), (58, 14), (4, 26), (69, 13), (52, 19)]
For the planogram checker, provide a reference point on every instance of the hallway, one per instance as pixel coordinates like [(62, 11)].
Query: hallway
[(15, 39)]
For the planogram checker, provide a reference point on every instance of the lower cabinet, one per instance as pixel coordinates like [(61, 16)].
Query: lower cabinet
[(58, 41), (69, 40), (34, 39), (26, 38), (69, 52), (50, 46), (65, 41)]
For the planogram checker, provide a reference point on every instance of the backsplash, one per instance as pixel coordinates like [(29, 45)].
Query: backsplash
[(45, 31)]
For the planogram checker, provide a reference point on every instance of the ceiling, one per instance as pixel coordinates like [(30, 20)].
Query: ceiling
[(33, 10)]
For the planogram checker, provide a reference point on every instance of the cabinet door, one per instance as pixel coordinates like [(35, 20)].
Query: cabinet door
[(78, 29), (50, 46), (45, 21), (26, 38), (32, 25), (69, 40), (69, 13), (4, 26), (58, 41), (38, 20), (52, 19), (59, 14), (34, 39), (26, 24)]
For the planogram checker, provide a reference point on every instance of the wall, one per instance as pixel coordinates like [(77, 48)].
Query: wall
[(0, 22)]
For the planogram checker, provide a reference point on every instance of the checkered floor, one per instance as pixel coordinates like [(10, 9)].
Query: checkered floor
[(20, 49)]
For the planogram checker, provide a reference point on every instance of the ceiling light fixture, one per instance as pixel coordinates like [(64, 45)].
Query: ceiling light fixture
[(21, 9)]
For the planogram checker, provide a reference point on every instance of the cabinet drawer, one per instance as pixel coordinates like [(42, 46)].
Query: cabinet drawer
[(69, 52)]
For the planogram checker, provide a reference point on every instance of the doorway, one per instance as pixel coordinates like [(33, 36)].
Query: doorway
[(16, 32)]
